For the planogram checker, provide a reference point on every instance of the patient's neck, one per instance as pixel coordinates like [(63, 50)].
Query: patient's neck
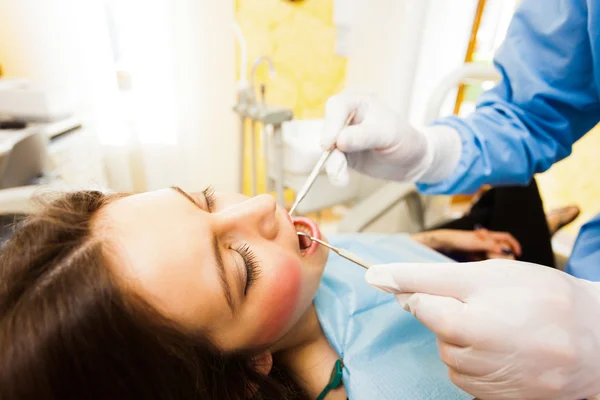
[(308, 356)]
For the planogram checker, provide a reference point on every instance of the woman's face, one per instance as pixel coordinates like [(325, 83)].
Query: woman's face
[(220, 263)]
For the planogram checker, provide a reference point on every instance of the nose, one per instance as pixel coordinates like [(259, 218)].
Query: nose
[(256, 215)]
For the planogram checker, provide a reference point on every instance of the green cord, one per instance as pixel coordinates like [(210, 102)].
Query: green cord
[(335, 381)]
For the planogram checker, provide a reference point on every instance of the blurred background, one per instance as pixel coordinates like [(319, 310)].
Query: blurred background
[(136, 95)]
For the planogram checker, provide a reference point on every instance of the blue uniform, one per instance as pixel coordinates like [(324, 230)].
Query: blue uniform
[(547, 99)]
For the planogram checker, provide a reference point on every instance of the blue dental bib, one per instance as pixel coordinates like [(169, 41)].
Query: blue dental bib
[(387, 353)]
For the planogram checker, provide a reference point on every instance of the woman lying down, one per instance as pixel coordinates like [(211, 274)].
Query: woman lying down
[(169, 295)]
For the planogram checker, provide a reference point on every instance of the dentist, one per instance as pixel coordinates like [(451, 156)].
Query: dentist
[(506, 329)]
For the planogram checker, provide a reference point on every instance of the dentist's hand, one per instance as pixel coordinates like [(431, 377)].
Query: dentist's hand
[(506, 329), (381, 144)]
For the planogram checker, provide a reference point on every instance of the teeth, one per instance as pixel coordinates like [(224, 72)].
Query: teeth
[(302, 228)]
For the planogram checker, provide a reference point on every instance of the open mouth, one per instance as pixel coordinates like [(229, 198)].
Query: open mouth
[(308, 226)]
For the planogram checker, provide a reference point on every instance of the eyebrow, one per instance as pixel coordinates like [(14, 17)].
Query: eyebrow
[(185, 194), (216, 256)]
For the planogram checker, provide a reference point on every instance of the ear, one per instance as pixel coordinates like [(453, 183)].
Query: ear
[(263, 363)]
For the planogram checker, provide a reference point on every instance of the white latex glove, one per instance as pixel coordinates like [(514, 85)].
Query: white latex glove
[(383, 145), (506, 329)]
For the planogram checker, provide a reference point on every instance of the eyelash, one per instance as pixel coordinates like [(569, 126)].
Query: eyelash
[(209, 194), (252, 267)]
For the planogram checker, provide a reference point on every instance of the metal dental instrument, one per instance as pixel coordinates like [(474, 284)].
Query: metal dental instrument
[(340, 252), (317, 169)]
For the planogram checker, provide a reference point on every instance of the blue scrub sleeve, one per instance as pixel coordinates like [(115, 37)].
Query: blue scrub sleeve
[(585, 260), (547, 99)]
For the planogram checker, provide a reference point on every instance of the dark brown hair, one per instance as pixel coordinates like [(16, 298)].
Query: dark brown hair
[(69, 331)]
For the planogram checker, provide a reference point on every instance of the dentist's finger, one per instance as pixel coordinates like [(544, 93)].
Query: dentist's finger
[(444, 316), (442, 279), (403, 298), (467, 360), (358, 138), (338, 108), (473, 384), (337, 169)]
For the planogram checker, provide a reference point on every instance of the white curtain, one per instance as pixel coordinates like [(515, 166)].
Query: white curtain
[(175, 125)]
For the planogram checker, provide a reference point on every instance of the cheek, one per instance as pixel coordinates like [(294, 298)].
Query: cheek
[(282, 291)]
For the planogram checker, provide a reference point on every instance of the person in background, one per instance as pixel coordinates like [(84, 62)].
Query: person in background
[(517, 210)]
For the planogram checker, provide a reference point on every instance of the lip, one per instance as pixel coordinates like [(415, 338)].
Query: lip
[(314, 232)]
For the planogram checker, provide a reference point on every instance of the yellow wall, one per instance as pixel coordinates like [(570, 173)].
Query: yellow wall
[(300, 38), (575, 180)]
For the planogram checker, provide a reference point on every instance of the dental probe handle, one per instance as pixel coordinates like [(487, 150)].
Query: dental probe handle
[(314, 174), (310, 180), (354, 258)]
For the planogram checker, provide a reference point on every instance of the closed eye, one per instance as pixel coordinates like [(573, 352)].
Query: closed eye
[(251, 264), (209, 195)]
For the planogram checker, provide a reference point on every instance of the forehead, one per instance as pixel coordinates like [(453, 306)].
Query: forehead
[(161, 209), (163, 250), (157, 197)]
